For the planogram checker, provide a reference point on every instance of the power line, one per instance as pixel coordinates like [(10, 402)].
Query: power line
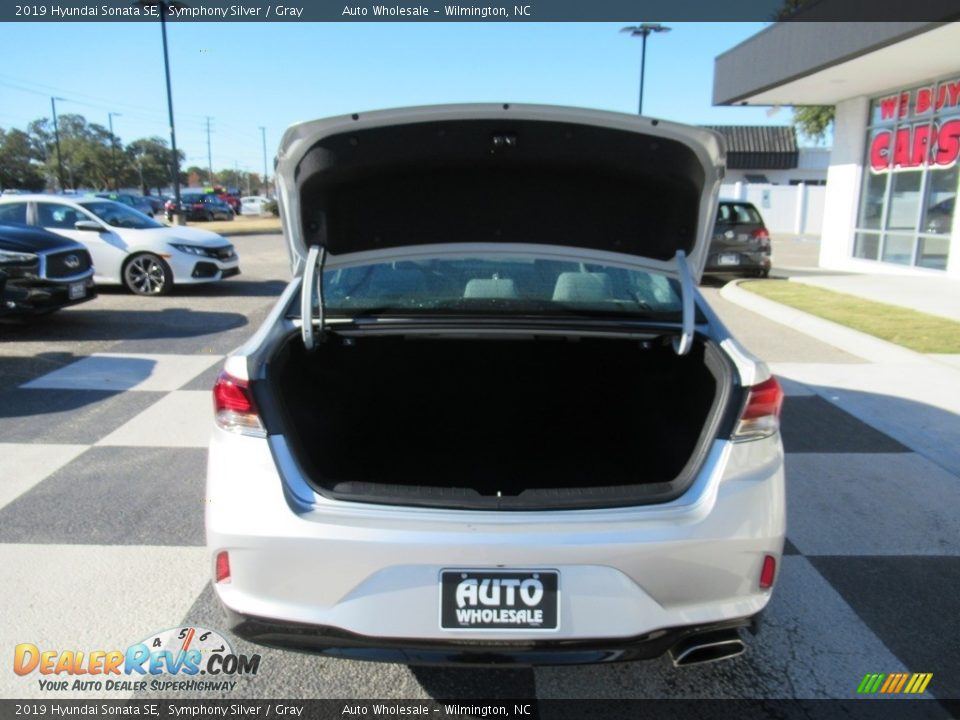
[(18, 84)]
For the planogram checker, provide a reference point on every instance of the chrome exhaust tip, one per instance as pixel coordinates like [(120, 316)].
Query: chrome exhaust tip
[(707, 647)]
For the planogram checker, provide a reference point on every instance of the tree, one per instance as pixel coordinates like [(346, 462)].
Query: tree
[(18, 166), (84, 151), (245, 182), (813, 121), (149, 161), (197, 174)]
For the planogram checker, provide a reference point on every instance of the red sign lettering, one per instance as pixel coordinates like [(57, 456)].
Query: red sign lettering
[(888, 108), (880, 152), (913, 146), (953, 90), (948, 143)]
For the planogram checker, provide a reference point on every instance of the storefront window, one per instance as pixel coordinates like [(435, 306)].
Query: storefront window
[(904, 200), (871, 204), (910, 184), (866, 246), (940, 202)]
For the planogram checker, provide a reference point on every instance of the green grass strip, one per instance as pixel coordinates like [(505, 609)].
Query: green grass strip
[(912, 329)]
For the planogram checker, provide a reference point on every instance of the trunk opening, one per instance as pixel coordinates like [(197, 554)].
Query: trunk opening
[(498, 423)]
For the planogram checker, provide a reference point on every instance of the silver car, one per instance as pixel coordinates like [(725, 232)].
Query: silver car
[(492, 419)]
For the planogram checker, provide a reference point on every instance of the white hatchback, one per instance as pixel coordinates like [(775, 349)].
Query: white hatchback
[(492, 419), (254, 205), (127, 247)]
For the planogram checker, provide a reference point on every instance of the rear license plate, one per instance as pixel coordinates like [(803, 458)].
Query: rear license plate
[(729, 259), (75, 291), (499, 600)]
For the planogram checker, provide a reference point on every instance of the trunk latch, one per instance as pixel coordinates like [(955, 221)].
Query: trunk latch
[(683, 343), (312, 286)]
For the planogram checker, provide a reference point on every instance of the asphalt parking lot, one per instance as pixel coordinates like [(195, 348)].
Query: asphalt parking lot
[(104, 414)]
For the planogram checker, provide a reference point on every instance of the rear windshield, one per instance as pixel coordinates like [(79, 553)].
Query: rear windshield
[(738, 214), (509, 285)]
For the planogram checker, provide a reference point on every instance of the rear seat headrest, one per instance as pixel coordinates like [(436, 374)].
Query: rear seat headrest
[(490, 288), (583, 287)]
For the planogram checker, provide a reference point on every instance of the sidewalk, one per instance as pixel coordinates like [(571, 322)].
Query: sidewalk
[(933, 295), (908, 395)]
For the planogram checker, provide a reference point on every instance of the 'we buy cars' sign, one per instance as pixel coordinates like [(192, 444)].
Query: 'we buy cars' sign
[(926, 135)]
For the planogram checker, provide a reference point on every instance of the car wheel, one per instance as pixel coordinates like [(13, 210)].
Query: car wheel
[(147, 274), (210, 217)]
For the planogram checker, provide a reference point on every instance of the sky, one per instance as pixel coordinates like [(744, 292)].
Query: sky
[(247, 75)]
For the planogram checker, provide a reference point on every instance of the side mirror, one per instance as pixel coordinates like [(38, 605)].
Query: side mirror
[(88, 225)]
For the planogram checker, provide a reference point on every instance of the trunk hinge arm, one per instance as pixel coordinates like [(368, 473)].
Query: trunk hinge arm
[(312, 287), (683, 343)]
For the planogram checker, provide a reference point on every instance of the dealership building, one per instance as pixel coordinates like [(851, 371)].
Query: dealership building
[(892, 182)]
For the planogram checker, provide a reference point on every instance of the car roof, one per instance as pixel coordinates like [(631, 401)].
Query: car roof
[(726, 201), (53, 197)]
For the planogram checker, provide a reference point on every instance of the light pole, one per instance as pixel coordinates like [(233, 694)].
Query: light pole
[(164, 6), (263, 135), (643, 30), (113, 150), (56, 135)]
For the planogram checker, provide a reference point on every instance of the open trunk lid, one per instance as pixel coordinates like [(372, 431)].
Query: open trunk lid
[(595, 184), (499, 174)]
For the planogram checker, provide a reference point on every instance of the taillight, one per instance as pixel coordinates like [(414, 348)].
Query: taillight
[(768, 572), (761, 414), (761, 236), (233, 407), (223, 567)]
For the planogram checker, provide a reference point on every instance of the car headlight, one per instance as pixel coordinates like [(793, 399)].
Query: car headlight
[(17, 257), (192, 249)]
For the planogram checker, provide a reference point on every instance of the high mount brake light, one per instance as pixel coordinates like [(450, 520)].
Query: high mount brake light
[(761, 413), (233, 407)]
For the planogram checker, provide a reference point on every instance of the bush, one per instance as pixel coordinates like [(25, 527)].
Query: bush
[(272, 207)]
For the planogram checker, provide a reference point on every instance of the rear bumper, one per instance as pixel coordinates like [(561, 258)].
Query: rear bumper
[(339, 643), (746, 260), (316, 574)]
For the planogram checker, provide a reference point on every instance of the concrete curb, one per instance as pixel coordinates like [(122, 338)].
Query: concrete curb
[(843, 338)]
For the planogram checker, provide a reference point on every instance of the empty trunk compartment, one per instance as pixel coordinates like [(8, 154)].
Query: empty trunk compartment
[(499, 423)]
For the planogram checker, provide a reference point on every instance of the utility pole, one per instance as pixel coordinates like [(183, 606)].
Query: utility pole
[(266, 184), (113, 152), (643, 31), (164, 6), (56, 135), (209, 155)]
